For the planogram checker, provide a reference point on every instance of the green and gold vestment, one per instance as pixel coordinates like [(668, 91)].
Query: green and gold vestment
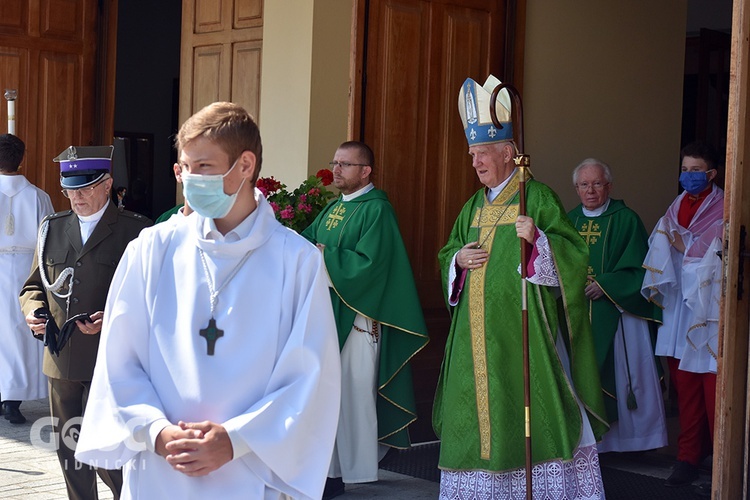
[(368, 266), (618, 243), (479, 403)]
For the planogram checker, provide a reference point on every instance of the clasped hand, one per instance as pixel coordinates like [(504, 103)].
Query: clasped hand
[(195, 448), (593, 291), (472, 256)]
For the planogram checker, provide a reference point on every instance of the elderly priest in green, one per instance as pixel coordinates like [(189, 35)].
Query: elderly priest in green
[(479, 402), (378, 318), (623, 321)]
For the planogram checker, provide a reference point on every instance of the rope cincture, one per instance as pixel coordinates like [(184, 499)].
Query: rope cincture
[(66, 273), (631, 402)]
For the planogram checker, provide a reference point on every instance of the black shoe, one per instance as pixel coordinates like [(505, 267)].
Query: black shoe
[(683, 473), (334, 487), (12, 412)]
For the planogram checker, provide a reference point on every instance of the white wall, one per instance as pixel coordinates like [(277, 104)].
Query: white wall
[(604, 79), (285, 88), (329, 93), (304, 86)]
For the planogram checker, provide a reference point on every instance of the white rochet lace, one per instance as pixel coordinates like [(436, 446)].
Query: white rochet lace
[(545, 273)]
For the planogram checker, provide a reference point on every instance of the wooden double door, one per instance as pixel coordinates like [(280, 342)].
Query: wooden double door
[(410, 58)]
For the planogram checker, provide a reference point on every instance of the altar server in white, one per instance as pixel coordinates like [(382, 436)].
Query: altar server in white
[(219, 372), (681, 271), (22, 208)]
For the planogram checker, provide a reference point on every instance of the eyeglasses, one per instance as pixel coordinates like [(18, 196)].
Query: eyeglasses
[(85, 192), (584, 186), (343, 164)]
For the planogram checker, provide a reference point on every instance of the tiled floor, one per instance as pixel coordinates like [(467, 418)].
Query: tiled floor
[(29, 468), (29, 471)]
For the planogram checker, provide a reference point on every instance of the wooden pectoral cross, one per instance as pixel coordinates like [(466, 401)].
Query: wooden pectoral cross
[(211, 333)]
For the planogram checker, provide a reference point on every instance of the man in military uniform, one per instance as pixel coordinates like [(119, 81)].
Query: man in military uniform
[(77, 253)]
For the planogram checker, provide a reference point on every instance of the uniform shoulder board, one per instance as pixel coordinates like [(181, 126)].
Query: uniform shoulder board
[(57, 215), (135, 215)]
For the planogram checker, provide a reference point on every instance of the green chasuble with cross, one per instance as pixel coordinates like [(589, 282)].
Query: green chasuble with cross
[(618, 243), (479, 402), (368, 266)]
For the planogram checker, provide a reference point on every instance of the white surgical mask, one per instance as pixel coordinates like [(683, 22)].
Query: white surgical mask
[(205, 194)]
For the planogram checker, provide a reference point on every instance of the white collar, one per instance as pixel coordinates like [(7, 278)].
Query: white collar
[(493, 192), (243, 229), (93, 217), (355, 194), (597, 211)]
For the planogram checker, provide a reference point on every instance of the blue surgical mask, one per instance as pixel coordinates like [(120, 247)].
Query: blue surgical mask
[(694, 182), (205, 194)]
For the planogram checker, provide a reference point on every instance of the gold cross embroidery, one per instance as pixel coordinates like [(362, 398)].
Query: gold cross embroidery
[(590, 232), (336, 216)]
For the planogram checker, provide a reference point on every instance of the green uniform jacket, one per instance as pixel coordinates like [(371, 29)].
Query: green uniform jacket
[(618, 243), (479, 402), (94, 265), (368, 266)]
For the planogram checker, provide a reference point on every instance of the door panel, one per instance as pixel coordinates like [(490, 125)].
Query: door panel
[(208, 17), (246, 61), (419, 52), (13, 16), (207, 75), (60, 104), (62, 19), (248, 13), (222, 42), (48, 53)]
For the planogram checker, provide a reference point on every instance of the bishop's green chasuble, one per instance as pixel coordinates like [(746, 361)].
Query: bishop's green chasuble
[(618, 243), (368, 266), (479, 403)]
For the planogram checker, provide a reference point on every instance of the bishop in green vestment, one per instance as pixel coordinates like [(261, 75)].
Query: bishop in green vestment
[(479, 403), (371, 277), (623, 321), (480, 418)]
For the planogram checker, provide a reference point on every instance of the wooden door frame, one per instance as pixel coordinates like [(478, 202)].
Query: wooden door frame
[(106, 72), (730, 465)]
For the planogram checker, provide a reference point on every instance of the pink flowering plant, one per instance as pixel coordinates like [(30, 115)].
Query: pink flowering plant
[(297, 209)]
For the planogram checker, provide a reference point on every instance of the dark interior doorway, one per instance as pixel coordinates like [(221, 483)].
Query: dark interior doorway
[(146, 96)]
